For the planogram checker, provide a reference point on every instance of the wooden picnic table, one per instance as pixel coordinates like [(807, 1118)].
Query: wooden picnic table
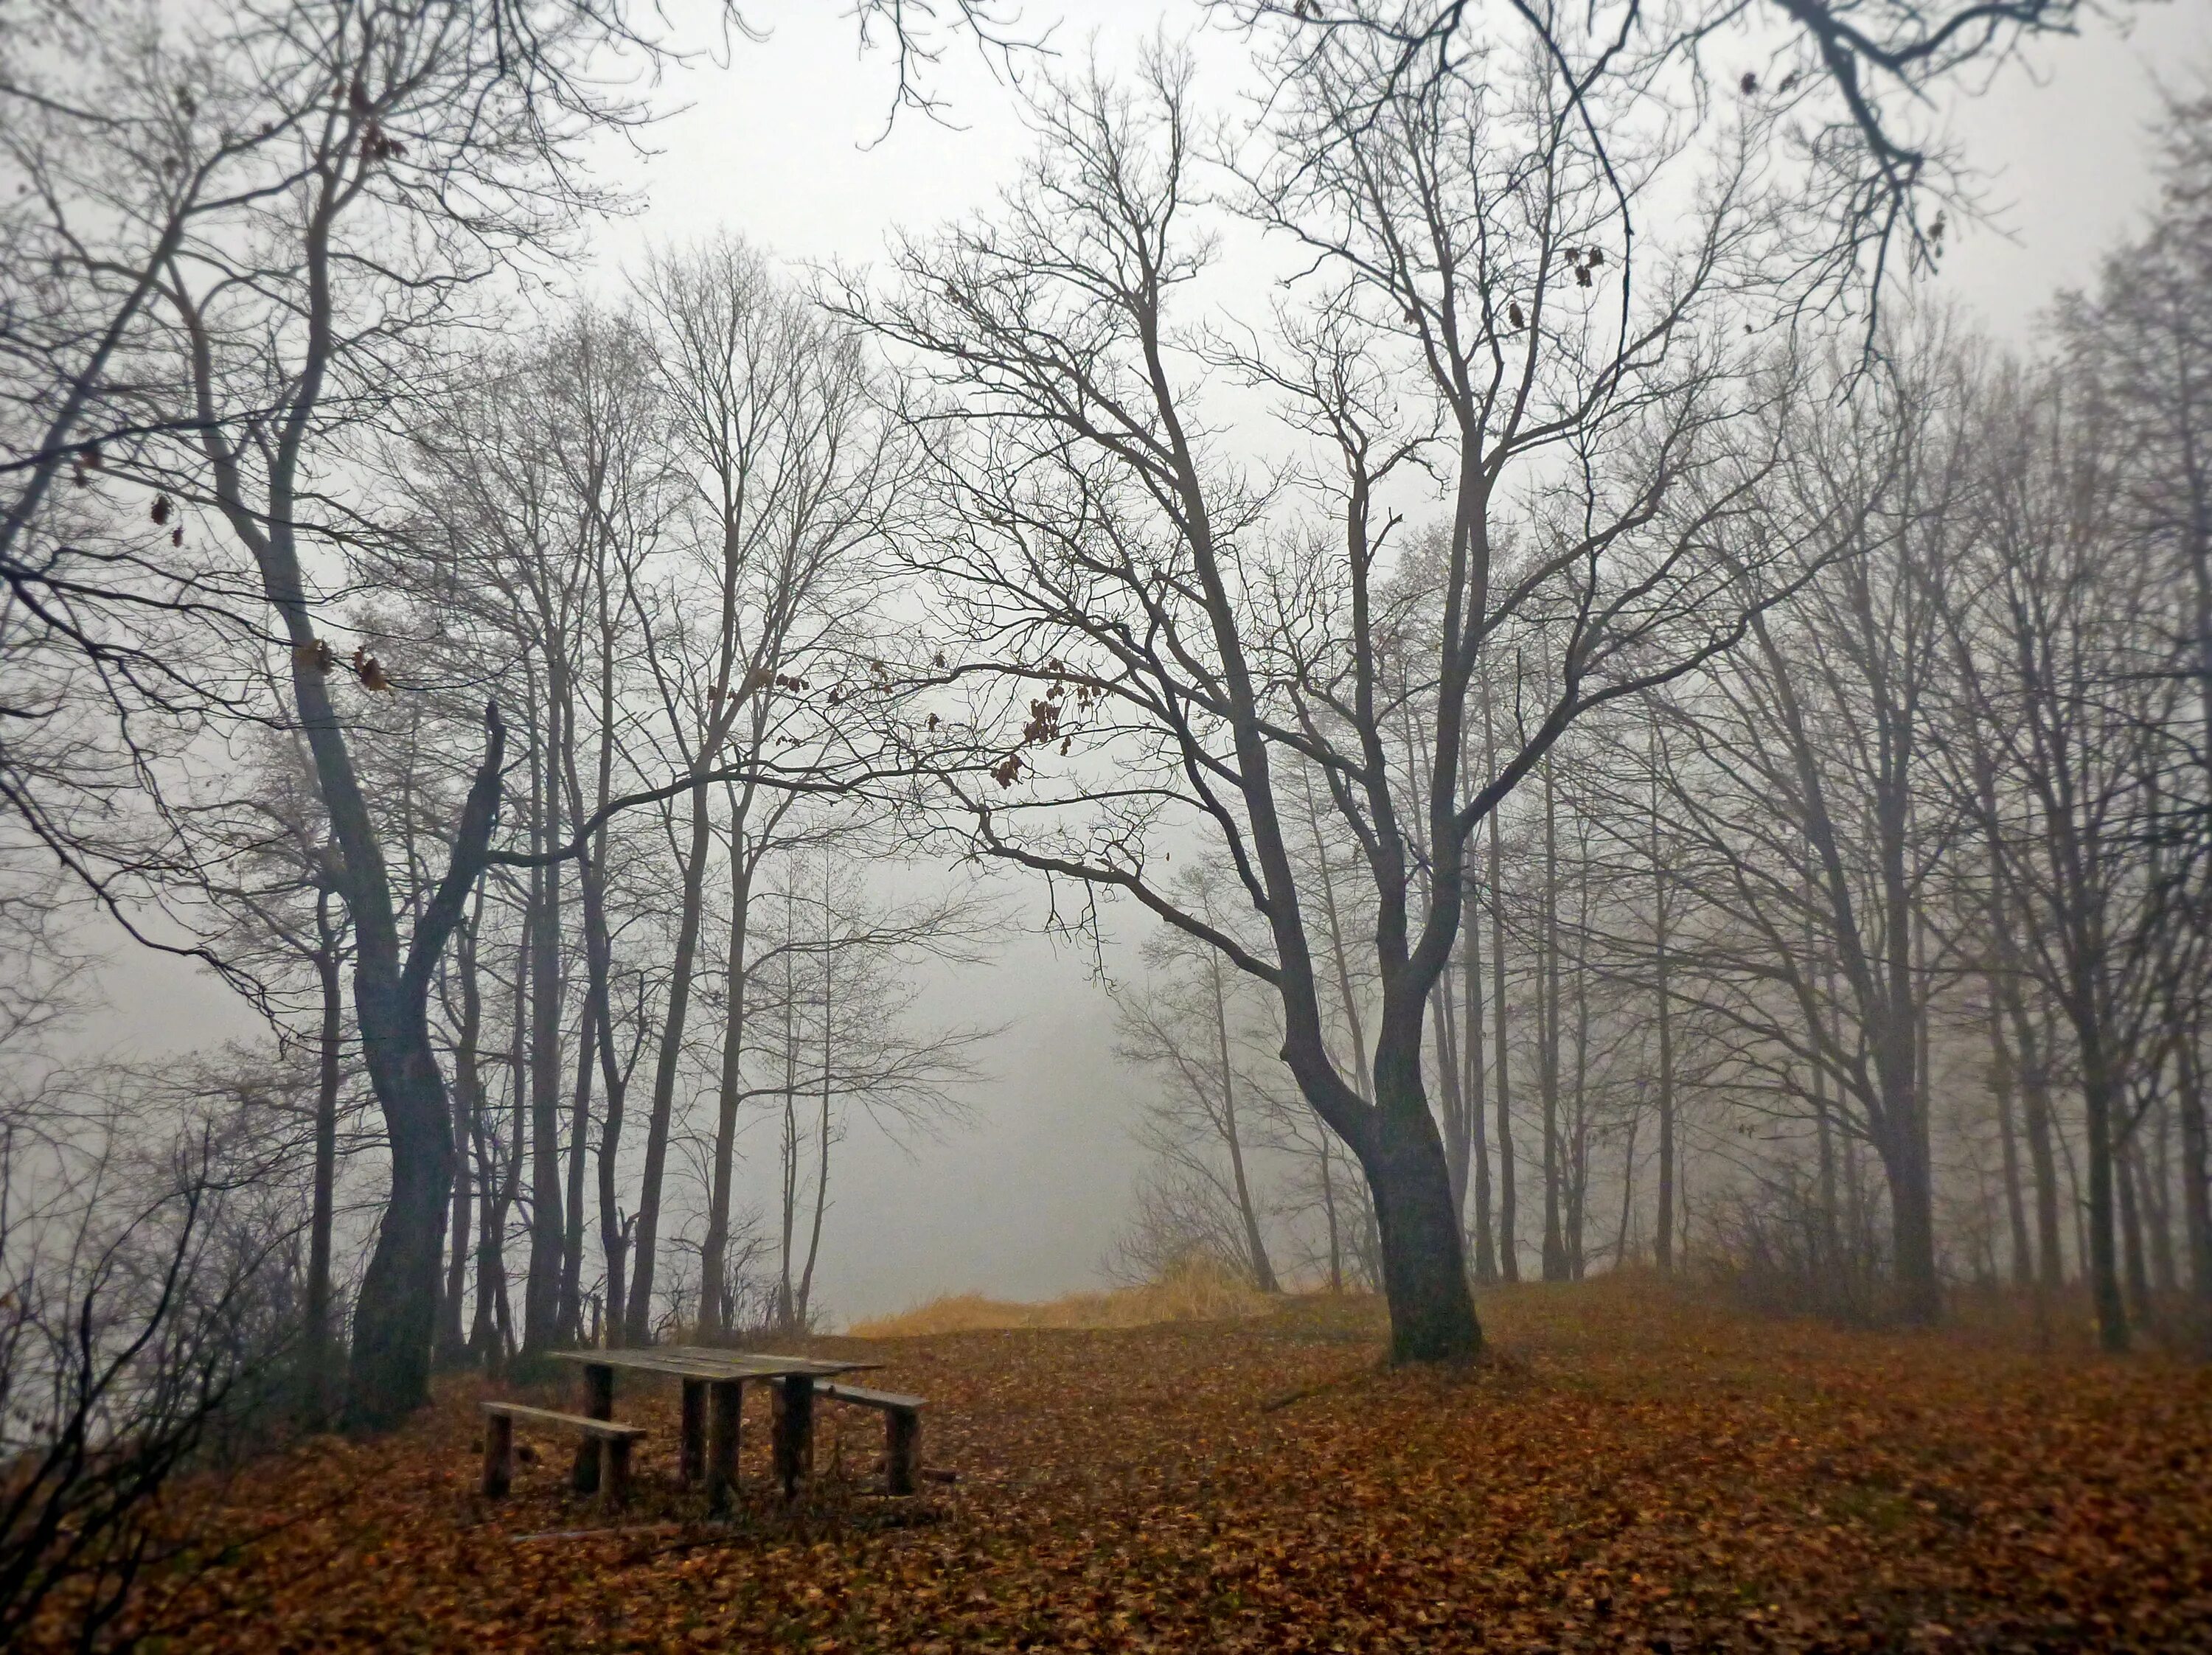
[(714, 1400)]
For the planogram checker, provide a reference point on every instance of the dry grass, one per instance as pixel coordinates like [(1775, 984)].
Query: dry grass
[(1196, 1291)]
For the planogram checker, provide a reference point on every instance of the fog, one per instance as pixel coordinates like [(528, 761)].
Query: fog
[(795, 142)]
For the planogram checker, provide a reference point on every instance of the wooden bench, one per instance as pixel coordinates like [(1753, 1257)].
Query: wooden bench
[(604, 1440), (901, 1430)]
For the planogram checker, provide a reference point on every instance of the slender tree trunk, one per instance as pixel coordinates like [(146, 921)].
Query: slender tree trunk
[(638, 1327), (1478, 1123), (713, 1252), (453, 1343), (1459, 1150), (2158, 1204), (321, 1349), (1547, 1036), (1328, 1213), (1508, 1220), (1579, 1161), (571, 1319), (1662, 964), (1627, 1191), (1255, 1247), (2004, 1091), (541, 1299)]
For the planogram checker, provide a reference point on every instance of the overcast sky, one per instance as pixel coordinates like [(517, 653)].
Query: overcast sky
[(785, 143)]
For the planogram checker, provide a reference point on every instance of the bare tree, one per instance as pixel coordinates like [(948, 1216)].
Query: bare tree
[(1118, 580)]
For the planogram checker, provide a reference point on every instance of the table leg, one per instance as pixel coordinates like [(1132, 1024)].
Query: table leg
[(692, 1465), (794, 1432), (598, 1405), (614, 1493), (729, 1402), (499, 1456)]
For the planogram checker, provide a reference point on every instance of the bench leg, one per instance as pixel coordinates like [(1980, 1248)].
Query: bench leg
[(614, 1486), (499, 1456), (902, 1450), (692, 1460), (584, 1479), (728, 1396), (598, 1405), (794, 1432)]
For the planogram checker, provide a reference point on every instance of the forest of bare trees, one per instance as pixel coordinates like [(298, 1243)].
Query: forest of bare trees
[(1583, 721)]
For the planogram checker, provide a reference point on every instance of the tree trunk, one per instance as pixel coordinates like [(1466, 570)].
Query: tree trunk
[(2099, 1097), (2136, 1276), (541, 1299), (713, 1252), (1663, 986), (638, 1328), (320, 1341), (1477, 1125), (1547, 1035), (570, 1319), (1424, 1268), (2195, 1188), (1255, 1248), (453, 1343), (2004, 1091)]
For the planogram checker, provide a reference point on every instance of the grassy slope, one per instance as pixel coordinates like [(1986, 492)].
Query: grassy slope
[(1637, 1471)]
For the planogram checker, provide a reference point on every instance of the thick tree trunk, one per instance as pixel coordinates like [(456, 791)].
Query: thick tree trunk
[(2099, 1097), (1424, 1269), (396, 1309), (1913, 1230), (2136, 1276), (2196, 1190)]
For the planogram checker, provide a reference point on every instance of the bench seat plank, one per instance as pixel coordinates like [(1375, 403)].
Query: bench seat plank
[(606, 1430), (889, 1400)]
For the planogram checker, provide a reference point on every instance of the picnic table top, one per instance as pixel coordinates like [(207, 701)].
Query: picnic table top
[(708, 1362)]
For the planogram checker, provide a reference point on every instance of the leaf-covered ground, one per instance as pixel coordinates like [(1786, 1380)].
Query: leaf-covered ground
[(1637, 1471)]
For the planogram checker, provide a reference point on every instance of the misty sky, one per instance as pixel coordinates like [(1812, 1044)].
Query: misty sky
[(786, 143)]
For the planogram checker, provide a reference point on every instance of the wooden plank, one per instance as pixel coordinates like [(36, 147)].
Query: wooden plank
[(703, 1362), (890, 1400), (603, 1430)]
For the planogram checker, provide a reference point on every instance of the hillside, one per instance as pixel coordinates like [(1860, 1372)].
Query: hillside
[(1635, 1470)]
